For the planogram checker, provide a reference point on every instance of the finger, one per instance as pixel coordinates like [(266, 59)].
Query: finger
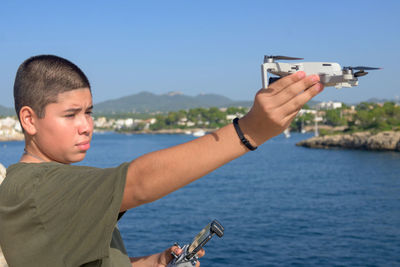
[(284, 82), (298, 102), (166, 256), (295, 89), (201, 253)]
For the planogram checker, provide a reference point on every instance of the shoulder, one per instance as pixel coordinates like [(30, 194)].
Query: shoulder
[(31, 174), (47, 170), (23, 179), (42, 179)]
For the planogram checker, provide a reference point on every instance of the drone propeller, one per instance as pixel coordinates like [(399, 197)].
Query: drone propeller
[(361, 70), (272, 58), (365, 68)]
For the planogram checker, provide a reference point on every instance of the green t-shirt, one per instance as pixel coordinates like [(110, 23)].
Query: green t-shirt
[(53, 214)]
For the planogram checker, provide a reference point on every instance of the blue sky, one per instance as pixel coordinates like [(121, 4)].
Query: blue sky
[(126, 47)]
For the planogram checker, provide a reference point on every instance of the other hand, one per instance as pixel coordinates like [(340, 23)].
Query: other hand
[(161, 259)]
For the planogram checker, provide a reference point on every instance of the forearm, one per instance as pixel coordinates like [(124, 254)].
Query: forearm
[(159, 173), (146, 261)]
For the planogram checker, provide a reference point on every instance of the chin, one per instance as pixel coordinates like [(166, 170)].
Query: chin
[(74, 159), (79, 158)]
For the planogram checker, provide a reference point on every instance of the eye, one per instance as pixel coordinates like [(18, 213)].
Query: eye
[(70, 115), (89, 112)]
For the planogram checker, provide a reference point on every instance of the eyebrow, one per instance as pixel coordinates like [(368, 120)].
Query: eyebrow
[(76, 109)]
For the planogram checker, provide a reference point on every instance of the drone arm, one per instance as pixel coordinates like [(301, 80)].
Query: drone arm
[(264, 76)]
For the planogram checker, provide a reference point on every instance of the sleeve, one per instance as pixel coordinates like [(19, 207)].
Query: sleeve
[(78, 207)]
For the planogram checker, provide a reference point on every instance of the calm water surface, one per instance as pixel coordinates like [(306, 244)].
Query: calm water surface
[(281, 205)]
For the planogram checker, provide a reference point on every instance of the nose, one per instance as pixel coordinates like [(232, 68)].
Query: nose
[(85, 125)]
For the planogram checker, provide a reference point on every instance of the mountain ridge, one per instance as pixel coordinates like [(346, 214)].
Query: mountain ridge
[(145, 102), (6, 111)]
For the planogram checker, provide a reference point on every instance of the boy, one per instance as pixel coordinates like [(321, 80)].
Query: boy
[(55, 214)]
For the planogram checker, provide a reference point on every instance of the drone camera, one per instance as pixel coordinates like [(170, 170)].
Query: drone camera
[(273, 79)]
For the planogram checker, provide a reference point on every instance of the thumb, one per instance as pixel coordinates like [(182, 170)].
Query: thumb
[(166, 256)]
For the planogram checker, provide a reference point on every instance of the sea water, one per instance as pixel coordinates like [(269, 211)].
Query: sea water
[(281, 205)]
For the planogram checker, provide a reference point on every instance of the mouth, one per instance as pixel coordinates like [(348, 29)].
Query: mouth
[(83, 146)]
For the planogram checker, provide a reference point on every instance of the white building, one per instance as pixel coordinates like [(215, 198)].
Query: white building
[(190, 124), (230, 117), (307, 111), (8, 122), (329, 105)]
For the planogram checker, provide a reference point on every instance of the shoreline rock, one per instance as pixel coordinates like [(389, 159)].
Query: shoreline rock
[(383, 141)]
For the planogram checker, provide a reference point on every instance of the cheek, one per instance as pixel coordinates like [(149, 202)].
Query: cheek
[(91, 124), (58, 132)]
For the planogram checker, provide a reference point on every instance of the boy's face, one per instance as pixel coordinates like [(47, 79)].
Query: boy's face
[(64, 133)]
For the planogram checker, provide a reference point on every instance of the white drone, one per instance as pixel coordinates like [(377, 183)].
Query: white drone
[(330, 73)]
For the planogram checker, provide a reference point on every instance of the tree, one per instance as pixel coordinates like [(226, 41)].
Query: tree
[(159, 124), (301, 121), (333, 117)]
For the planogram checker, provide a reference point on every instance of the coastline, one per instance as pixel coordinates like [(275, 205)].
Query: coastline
[(12, 137), (177, 131), (382, 141), (163, 131), (20, 137)]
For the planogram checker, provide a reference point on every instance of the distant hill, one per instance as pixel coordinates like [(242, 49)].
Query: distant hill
[(313, 103), (381, 100), (4, 111), (146, 102)]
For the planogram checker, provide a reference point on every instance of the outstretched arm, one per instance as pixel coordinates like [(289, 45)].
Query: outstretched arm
[(159, 173)]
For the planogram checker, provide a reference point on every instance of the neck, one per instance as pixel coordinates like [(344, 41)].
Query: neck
[(29, 154)]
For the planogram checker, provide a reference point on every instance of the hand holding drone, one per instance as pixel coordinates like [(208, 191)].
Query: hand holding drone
[(331, 74), (188, 258)]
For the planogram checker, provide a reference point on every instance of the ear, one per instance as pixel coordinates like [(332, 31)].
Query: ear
[(28, 120)]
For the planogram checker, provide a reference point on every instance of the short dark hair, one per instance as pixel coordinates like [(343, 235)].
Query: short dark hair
[(40, 79)]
